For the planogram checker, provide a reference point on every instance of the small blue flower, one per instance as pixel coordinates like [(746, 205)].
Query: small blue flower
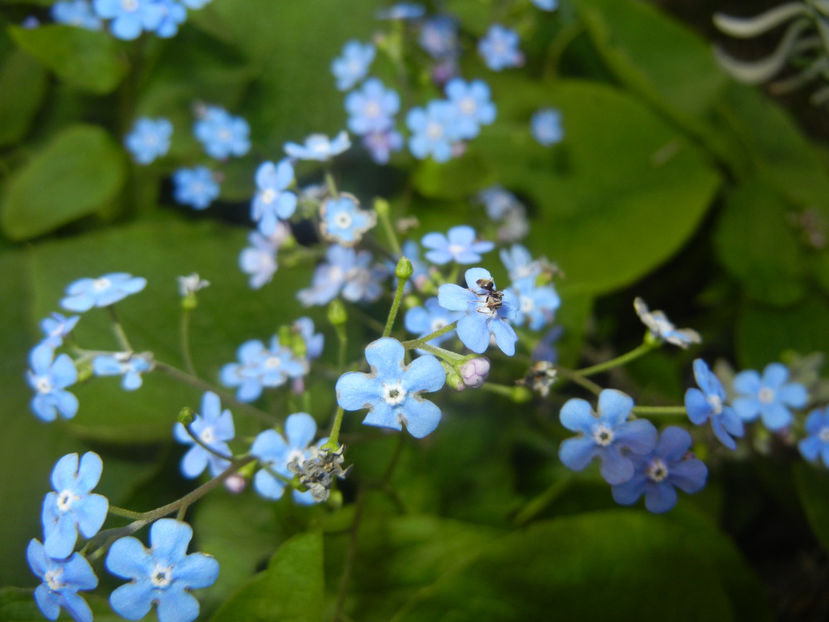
[(149, 139), (372, 108), (709, 403), (319, 147), (164, 575), (275, 454), (499, 48), (83, 294), (498, 202), (313, 341), (172, 14), (129, 17), (49, 378), (546, 5), (657, 474), (381, 145), (127, 364), (402, 11), (71, 508), (545, 125), (261, 367), (519, 263), (352, 64), (536, 304), (62, 580), (487, 310), (816, 444), (195, 187), (348, 271), (606, 434), (213, 427), (661, 327), (434, 129), (392, 390), (272, 201), (439, 37), (343, 222), (259, 259), (770, 397), (429, 318), (458, 245), (76, 13), (473, 106), (56, 327), (222, 134)]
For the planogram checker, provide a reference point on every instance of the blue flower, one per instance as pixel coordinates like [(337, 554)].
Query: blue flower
[(487, 311), (149, 139), (402, 10), (260, 367), (545, 125), (392, 390), (259, 259), (345, 270), (352, 64), (519, 263), (83, 294), (319, 147), (71, 508), (76, 13), (459, 245), (769, 397), (222, 134), (195, 187), (607, 435), (56, 327), (499, 48), (173, 14), (213, 427), (162, 575), (272, 201), (429, 318), (275, 454), (709, 403), (128, 364), (382, 144), (661, 327), (62, 580), (372, 108), (129, 17), (343, 221), (313, 341), (546, 5), (657, 474), (472, 104), (535, 304), (498, 202), (439, 37), (816, 444), (433, 130), (49, 379)]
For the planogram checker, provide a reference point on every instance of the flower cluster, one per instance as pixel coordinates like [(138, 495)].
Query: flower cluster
[(260, 367)]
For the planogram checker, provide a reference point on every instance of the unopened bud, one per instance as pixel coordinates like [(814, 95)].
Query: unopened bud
[(185, 416), (404, 268), (475, 371), (381, 206), (235, 483), (336, 313), (453, 378), (521, 395)]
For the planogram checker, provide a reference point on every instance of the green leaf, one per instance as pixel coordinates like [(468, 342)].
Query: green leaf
[(754, 220), (457, 179), (812, 484), (89, 59), (18, 605), (291, 589), (73, 175), (22, 75)]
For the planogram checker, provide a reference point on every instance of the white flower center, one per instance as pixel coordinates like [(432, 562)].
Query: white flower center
[(657, 470), (207, 436), (101, 284), (342, 220), (467, 106), (715, 402), (161, 576), (43, 384), (320, 147), (434, 131), (394, 394), (527, 304), (65, 500), (455, 249), (437, 324), (197, 188), (52, 579), (602, 435), (225, 135), (272, 362), (129, 5), (268, 195), (336, 274), (372, 110), (765, 395), (823, 435)]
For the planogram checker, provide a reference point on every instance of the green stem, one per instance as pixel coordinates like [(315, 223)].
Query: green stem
[(395, 305), (624, 359), (120, 335), (537, 504), (330, 183), (421, 341), (659, 410), (205, 446), (450, 357), (388, 228), (499, 389), (576, 377), (184, 335), (334, 437)]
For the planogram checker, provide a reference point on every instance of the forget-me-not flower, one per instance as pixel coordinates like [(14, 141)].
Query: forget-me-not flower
[(439, 36), (429, 318), (460, 245), (56, 327), (434, 129), (127, 364), (519, 263), (49, 378), (213, 427), (770, 396), (498, 202), (352, 64), (659, 473), (71, 507), (816, 445), (606, 434), (661, 327), (62, 580), (345, 270), (164, 575), (536, 304), (382, 144), (545, 125), (392, 390), (372, 108), (272, 200), (75, 13), (221, 133), (261, 367), (195, 187), (708, 402), (499, 48), (83, 294), (319, 147), (173, 14), (275, 452), (129, 17), (473, 106), (149, 139), (487, 311), (259, 259), (342, 220)]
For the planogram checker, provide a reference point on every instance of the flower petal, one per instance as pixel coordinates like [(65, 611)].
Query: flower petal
[(356, 390), (420, 417), (300, 429), (614, 406), (424, 374), (169, 539), (473, 332), (660, 498), (132, 600), (577, 415), (576, 453)]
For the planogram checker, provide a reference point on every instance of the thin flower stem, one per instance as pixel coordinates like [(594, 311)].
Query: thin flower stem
[(537, 504), (659, 410), (624, 359), (388, 229), (576, 377), (330, 183), (421, 341), (120, 335), (342, 339), (205, 446), (446, 355), (395, 305), (498, 389), (334, 437), (184, 336)]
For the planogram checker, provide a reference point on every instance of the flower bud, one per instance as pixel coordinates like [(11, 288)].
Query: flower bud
[(381, 206), (235, 483), (336, 313), (185, 416), (404, 268), (475, 371)]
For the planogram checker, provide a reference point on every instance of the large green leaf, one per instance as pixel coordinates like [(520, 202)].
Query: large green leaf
[(22, 75), (73, 175), (89, 59)]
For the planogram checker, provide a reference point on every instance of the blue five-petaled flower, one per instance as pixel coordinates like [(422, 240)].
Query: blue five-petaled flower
[(499, 48), (343, 221), (62, 579), (661, 328), (126, 364), (162, 575), (222, 134), (352, 64), (213, 427), (545, 125), (319, 147), (49, 378), (149, 139), (83, 294), (459, 245), (816, 444), (434, 130), (272, 201), (392, 390), (195, 187), (769, 396), (275, 454), (473, 105), (709, 403)]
